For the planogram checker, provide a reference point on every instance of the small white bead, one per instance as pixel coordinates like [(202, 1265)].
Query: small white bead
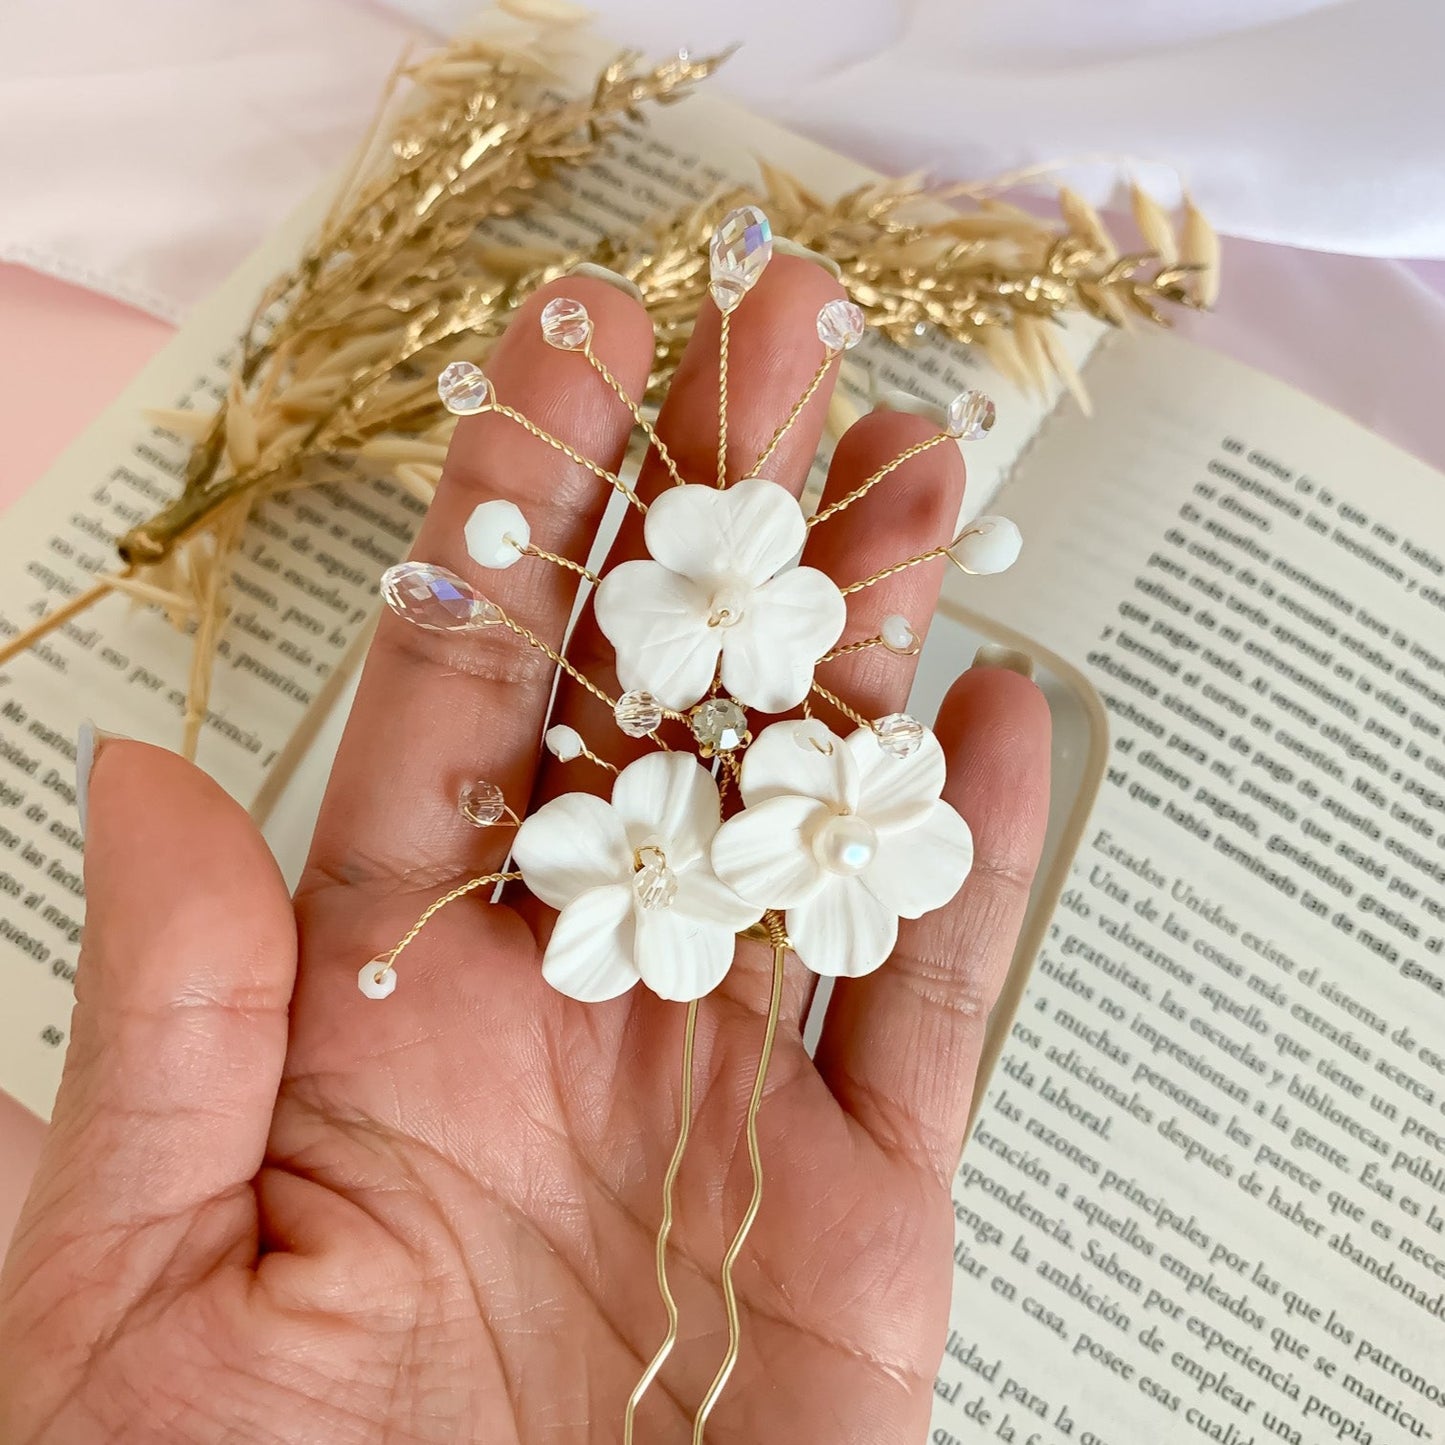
[(988, 545), (898, 635), (496, 532), (814, 736), (564, 743), (377, 979)]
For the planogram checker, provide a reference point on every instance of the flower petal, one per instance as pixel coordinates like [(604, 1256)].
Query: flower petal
[(842, 931), (765, 854), (702, 895), (894, 792), (656, 622), (921, 868), (574, 843), (680, 956), (671, 800), (779, 763), (745, 532), (768, 656), (590, 954)]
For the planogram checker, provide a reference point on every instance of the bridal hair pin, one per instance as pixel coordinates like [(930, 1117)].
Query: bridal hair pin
[(832, 836)]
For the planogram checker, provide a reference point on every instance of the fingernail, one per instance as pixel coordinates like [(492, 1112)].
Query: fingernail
[(914, 405), (785, 247), (88, 742), (615, 279), (991, 654)]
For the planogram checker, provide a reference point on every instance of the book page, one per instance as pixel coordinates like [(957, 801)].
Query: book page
[(305, 586), (1205, 1199)]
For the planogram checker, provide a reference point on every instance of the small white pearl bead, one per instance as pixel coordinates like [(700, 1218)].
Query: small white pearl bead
[(845, 844), (564, 743), (898, 634), (496, 532), (813, 736), (377, 979)]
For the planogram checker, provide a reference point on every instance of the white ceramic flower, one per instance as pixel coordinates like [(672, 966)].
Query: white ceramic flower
[(632, 879), (716, 589), (846, 841)]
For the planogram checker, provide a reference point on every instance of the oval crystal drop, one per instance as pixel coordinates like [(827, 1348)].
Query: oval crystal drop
[(741, 247), (436, 600)]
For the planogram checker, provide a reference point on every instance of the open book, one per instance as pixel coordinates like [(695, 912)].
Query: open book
[(1205, 1195)]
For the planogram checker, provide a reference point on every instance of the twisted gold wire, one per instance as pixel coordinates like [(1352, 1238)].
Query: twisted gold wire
[(864, 487), (730, 1259), (689, 1039), (798, 408), (851, 648), (557, 444), (852, 714), (722, 399), (541, 553), (896, 568), (532, 640), (649, 431), (470, 886)]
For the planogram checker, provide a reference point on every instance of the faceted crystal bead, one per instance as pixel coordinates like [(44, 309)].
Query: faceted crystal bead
[(654, 883), (720, 726), (564, 743), (464, 388), (840, 325), (566, 324), (638, 713), (987, 545), (481, 803), (435, 599), (899, 734), (898, 635), (971, 416), (377, 979), (741, 246)]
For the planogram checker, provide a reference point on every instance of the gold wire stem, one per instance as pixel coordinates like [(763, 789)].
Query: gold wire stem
[(851, 713), (722, 398), (557, 444), (156, 596), (432, 910), (648, 430), (730, 1259), (799, 407), (897, 567), (601, 762), (62, 614), (689, 1040), (851, 648), (887, 470), (543, 555), (532, 640)]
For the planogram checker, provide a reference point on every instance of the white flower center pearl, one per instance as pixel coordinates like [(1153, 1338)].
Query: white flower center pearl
[(845, 844), (726, 606)]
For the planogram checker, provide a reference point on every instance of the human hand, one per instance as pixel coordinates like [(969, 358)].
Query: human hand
[(270, 1210)]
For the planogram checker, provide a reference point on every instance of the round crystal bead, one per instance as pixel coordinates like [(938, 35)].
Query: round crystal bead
[(436, 600), (566, 324), (638, 714), (840, 324), (464, 388), (720, 726), (898, 635), (898, 734), (481, 803), (377, 979), (741, 247), (987, 545), (654, 883), (970, 416)]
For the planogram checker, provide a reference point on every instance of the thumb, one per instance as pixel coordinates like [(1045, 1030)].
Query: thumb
[(177, 1039)]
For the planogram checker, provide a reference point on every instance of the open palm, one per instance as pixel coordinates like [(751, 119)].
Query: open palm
[(273, 1211)]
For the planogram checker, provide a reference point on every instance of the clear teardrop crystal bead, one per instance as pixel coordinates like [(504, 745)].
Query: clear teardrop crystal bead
[(741, 247), (436, 600)]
